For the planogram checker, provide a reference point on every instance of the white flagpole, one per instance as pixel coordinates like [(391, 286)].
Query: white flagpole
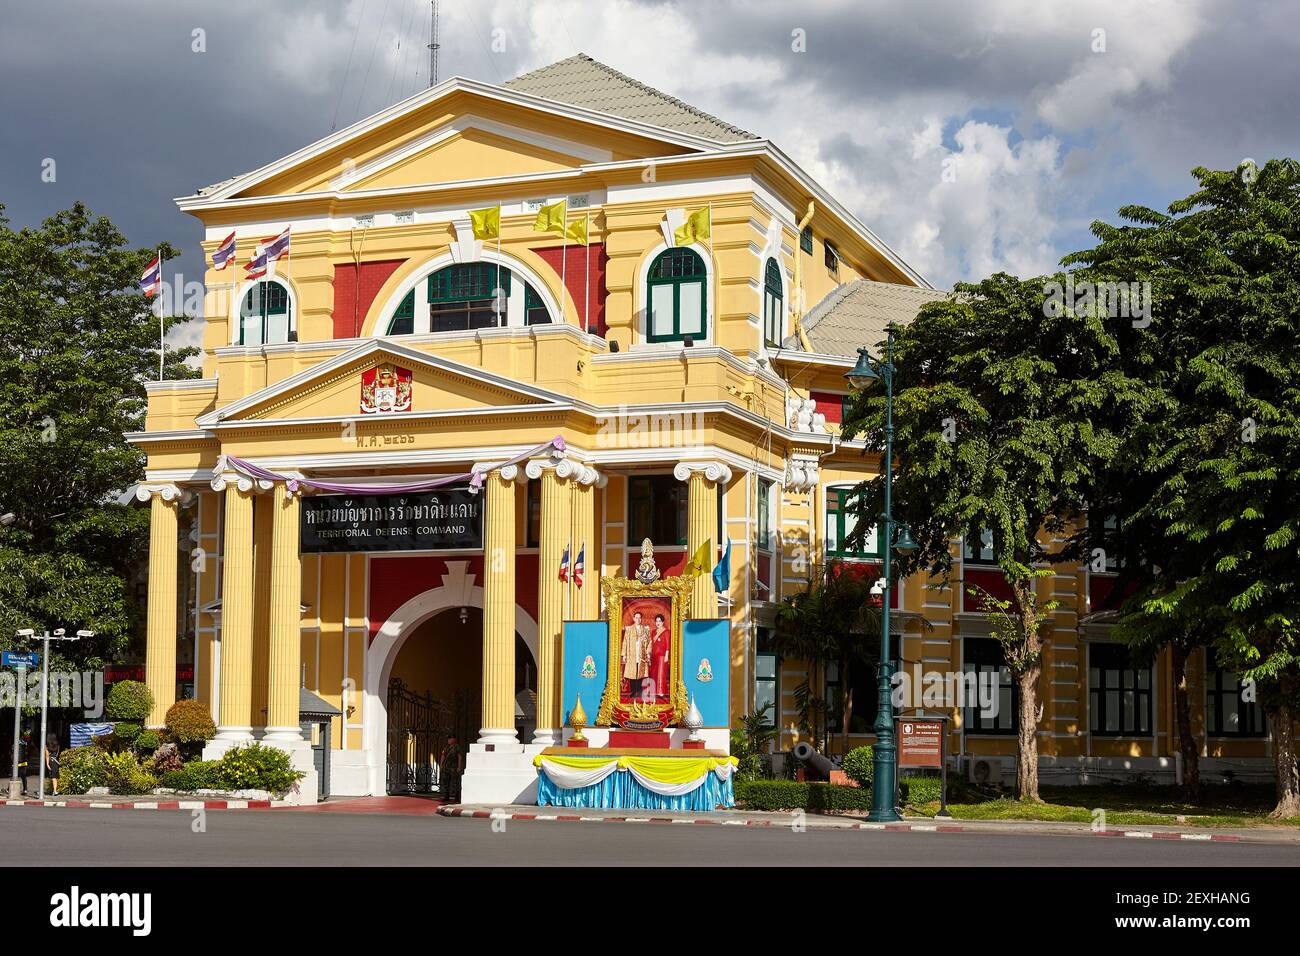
[(586, 281), (564, 257), (498, 282), (162, 345)]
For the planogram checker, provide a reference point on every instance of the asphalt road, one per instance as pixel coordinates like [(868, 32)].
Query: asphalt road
[(75, 837)]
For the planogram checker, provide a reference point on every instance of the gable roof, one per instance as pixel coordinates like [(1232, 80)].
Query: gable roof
[(582, 81), (858, 313)]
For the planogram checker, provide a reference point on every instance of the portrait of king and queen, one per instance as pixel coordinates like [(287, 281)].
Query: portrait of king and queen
[(644, 689)]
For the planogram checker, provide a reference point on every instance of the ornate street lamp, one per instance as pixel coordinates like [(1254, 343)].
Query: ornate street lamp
[(883, 810)]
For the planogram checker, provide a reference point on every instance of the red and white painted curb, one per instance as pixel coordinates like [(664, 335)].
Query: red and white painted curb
[(902, 827), (153, 804)]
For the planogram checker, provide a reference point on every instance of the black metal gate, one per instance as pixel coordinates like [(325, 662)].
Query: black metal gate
[(419, 759)]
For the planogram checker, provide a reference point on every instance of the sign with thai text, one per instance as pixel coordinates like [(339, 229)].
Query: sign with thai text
[(449, 519)]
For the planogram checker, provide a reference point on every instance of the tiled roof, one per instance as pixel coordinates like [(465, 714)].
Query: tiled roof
[(857, 313), (582, 81)]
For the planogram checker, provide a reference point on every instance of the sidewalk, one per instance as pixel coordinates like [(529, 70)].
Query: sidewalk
[(813, 821)]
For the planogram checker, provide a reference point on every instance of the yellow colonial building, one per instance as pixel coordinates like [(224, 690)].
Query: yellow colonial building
[(630, 375)]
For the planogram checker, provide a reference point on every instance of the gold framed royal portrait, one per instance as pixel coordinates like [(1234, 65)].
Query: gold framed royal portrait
[(643, 685)]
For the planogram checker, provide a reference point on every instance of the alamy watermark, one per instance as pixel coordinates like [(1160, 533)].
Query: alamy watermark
[(947, 690), (84, 689), (1117, 300)]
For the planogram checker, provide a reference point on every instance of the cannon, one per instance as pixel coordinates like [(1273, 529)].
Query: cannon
[(816, 765)]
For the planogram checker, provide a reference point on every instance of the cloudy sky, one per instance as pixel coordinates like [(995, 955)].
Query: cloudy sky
[(972, 135)]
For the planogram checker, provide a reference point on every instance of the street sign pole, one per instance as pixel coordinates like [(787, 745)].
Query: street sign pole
[(45, 699), (15, 789)]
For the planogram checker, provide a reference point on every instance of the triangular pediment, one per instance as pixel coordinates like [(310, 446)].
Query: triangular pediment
[(350, 385), (457, 132)]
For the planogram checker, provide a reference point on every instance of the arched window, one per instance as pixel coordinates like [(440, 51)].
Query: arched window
[(475, 295), (773, 312), (266, 315), (676, 297)]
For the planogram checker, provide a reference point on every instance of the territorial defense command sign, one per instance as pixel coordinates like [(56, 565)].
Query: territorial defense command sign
[(446, 520)]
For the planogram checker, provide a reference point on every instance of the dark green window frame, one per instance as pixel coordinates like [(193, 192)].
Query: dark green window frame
[(979, 549), (1223, 699), (764, 515), (675, 269), (806, 239), (260, 302), (657, 509), (773, 311), (767, 679), (841, 504), (832, 257), (1119, 694), (403, 320), (982, 655), (534, 308), (463, 297)]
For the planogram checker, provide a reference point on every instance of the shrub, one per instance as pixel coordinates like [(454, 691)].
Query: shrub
[(125, 734), (128, 700), (126, 776), (190, 722), (81, 768), (859, 766), (147, 742), (796, 795), (195, 775), (257, 768), (915, 791)]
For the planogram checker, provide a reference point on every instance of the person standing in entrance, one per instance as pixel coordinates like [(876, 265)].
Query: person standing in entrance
[(451, 764)]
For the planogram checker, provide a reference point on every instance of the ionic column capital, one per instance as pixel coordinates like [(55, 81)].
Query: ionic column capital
[(557, 462), (168, 492), (714, 471), (244, 483)]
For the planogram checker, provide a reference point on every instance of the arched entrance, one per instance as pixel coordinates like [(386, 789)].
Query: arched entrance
[(424, 642)]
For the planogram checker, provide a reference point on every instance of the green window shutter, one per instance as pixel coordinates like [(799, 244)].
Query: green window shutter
[(805, 240), (677, 297), (467, 283), (403, 320)]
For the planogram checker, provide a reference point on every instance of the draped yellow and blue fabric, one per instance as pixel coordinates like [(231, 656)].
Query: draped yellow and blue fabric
[(551, 218), (644, 782), (698, 227), (486, 222)]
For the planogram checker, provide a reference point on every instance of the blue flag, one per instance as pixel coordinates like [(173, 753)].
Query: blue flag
[(722, 573)]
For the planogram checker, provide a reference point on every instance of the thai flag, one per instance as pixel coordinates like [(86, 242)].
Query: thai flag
[(151, 278), (225, 253), (277, 247), (564, 565), (579, 566), (256, 267)]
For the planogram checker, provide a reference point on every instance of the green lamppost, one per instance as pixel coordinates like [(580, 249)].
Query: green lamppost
[(885, 752)]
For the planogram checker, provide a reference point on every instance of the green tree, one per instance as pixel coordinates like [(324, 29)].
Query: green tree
[(996, 396), (77, 342), (834, 620), (1215, 460)]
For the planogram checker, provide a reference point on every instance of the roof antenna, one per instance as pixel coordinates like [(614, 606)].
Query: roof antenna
[(433, 43)]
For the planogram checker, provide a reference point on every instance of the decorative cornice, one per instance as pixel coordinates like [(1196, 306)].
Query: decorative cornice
[(712, 470)]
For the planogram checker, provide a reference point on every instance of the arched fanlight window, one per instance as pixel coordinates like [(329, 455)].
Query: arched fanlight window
[(773, 312), (266, 315), (475, 295), (676, 297)]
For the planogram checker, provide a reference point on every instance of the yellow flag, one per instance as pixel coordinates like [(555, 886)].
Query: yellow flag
[(551, 218), (486, 222), (700, 563), (696, 228), (578, 231)]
